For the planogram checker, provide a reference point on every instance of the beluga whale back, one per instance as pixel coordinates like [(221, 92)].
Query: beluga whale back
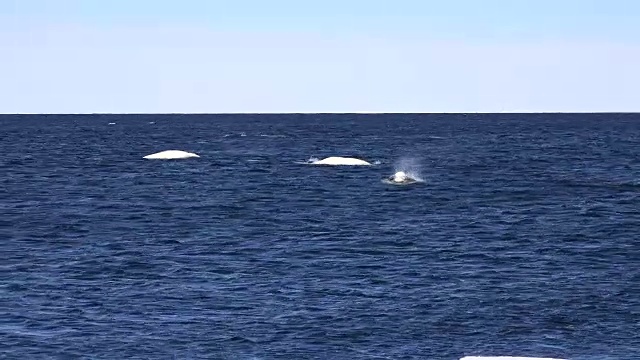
[(338, 160), (171, 154), (401, 178)]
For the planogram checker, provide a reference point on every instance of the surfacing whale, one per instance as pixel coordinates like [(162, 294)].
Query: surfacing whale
[(338, 160), (400, 178), (171, 154)]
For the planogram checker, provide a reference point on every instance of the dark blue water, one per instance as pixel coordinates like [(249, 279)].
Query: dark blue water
[(524, 238)]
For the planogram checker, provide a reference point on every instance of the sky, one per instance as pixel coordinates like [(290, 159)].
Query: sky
[(252, 56)]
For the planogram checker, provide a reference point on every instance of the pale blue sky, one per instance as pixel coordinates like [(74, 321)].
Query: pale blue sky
[(87, 56)]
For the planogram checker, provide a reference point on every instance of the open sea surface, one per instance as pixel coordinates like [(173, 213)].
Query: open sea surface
[(523, 238)]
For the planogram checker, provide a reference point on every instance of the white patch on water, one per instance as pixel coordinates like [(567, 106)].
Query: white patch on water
[(241, 134)]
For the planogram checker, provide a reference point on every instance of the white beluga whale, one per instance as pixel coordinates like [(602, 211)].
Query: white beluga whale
[(338, 160), (400, 178), (172, 154)]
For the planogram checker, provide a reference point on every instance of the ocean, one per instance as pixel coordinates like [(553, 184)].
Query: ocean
[(522, 239)]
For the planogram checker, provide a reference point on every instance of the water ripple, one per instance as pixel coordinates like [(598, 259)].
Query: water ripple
[(522, 240)]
